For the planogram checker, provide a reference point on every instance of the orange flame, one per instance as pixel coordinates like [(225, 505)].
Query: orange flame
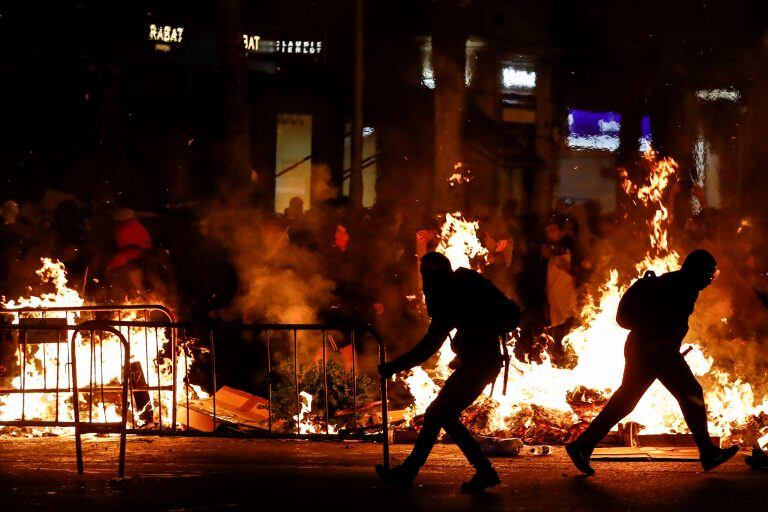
[(598, 341), (45, 366)]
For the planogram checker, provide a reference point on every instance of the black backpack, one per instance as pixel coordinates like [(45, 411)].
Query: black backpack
[(491, 305), (506, 317), (638, 304)]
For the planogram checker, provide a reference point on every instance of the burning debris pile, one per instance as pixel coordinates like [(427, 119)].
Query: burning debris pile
[(44, 365), (546, 403), (157, 357)]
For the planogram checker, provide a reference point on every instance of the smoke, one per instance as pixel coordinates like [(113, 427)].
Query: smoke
[(728, 322), (283, 295), (278, 283)]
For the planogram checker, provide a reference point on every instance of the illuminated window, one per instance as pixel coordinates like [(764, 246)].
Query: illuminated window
[(593, 130), (706, 174), (700, 150), (293, 159), (471, 49), (470, 61), (730, 94), (646, 138), (514, 78), (427, 74)]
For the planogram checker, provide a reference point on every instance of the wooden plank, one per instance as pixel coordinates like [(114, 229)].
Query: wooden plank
[(620, 453), (646, 454), (672, 454)]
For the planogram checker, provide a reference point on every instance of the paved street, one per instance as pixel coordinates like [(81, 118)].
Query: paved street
[(236, 474)]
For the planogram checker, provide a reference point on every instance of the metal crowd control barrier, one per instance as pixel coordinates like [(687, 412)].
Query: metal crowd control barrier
[(145, 340), (98, 427), (44, 334), (207, 340), (173, 332)]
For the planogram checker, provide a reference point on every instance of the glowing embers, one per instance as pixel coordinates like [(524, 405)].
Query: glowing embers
[(593, 130), (730, 94), (516, 78), (461, 174)]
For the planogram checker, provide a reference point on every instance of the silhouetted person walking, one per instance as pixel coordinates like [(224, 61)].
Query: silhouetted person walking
[(656, 310), (465, 301)]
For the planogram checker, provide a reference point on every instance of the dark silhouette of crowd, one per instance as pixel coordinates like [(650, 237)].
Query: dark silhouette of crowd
[(179, 257), (114, 254)]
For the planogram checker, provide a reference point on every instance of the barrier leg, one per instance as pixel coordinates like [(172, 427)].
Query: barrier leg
[(76, 405), (121, 467), (79, 450)]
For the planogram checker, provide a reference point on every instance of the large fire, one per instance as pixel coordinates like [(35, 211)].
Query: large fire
[(46, 365), (542, 401), (565, 398)]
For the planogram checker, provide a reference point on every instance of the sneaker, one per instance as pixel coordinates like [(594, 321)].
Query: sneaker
[(482, 479), (580, 457), (718, 456), (401, 477)]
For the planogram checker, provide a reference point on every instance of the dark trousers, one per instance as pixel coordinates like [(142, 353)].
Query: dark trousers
[(459, 392), (640, 371)]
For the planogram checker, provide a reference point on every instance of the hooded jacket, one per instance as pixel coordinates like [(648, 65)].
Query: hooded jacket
[(464, 301)]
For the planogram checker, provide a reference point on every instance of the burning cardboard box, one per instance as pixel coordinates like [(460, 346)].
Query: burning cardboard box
[(234, 408)]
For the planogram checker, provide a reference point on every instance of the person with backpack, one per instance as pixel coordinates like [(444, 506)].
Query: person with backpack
[(480, 313), (656, 310)]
